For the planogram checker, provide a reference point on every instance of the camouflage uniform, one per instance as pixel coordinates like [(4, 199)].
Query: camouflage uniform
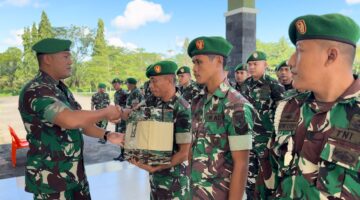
[(120, 97), (221, 123), (133, 98), (238, 86), (99, 101), (173, 183), (263, 94), (55, 159), (190, 91), (288, 87), (317, 147)]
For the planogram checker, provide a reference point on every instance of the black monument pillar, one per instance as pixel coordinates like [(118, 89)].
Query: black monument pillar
[(240, 31)]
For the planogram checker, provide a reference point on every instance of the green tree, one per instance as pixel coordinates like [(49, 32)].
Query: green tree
[(45, 28), (82, 39), (10, 61), (34, 34), (100, 43)]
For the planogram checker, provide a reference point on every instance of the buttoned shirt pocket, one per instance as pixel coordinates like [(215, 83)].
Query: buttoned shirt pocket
[(339, 172)]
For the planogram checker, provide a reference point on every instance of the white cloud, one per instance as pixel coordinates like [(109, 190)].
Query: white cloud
[(115, 41), (179, 41), (352, 1), (22, 3), (346, 11), (14, 40), (139, 13), (15, 2)]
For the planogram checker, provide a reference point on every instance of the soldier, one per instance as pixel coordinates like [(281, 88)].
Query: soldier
[(317, 133), (100, 100), (120, 97), (263, 92), (134, 96), (149, 98), (284, 75), (170, 181), (221, 125), (241, 74), (187, 87), (54, 123)]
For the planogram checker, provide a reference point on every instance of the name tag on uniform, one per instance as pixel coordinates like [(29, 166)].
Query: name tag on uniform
[(351, 134), (214, 117), (346, 156), (288, 122)]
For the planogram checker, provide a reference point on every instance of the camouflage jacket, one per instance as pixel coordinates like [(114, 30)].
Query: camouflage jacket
[(55, 158), (263, 94), (190, 91), (120, 97), (173, 183), (221, 122), (134, 97), (100, 100), (317, 147), (288, 87), (238, 86)]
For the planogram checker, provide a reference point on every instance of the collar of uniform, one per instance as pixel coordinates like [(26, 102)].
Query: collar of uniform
[(222, 90), (171, 103), (47, 78), (261, 79), (352, 91)]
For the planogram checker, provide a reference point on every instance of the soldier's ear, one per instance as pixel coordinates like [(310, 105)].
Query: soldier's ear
[(332, 55), (47, 59)]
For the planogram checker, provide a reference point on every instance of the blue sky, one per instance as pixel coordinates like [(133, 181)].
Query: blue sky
[(159, 25)]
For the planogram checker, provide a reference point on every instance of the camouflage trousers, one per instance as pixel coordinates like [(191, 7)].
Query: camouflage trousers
[(121, 128), (81, 192), (169, 187), (252, 176)]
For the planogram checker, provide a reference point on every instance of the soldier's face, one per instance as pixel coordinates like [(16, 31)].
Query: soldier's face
[(116, 86), (307, 65), (241, 76), (60, 64), (184, 79), (205, 68), (158, 85), (284, 75), (101, 90), (257, 68)]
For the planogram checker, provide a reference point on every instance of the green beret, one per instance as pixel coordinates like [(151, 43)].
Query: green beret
[(282, 64), (335, 27), (227, 68), (51, 45), (256, 56), (183, 70), (116, 80), (101, 85), (209, 45), (131, 81), (162, 68), (148, 67), (240, 67)]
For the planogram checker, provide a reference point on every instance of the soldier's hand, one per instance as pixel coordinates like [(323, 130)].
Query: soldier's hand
[(116, 138), (149, 168), (113, 113)]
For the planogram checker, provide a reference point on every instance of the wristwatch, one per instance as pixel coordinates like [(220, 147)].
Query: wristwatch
[(105, 135)]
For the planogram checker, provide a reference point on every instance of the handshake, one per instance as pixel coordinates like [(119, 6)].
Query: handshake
[(115, 113)]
